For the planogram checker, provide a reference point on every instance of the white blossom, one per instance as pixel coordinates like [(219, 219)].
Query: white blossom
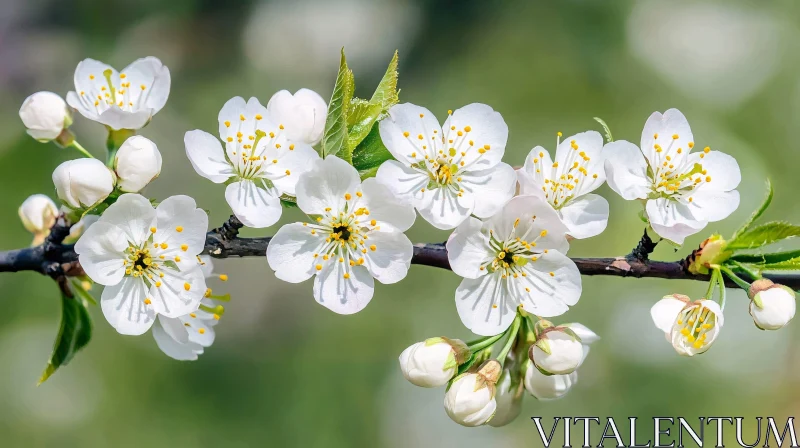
[(83, 183), (447, 173), (259, 161), (684, 191), (547, 387), (557, 352), (772, 306), (508, 396), (46, 115), (515, 258), (433, 362), (356, 235), (567, 182), (691, 327), (120, 100), (303, 114), (470, 400), (185, 337), (137, 163), (38, 214), (147, 260)]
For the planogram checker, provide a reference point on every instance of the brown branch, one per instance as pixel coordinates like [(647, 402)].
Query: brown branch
[(56, 260)]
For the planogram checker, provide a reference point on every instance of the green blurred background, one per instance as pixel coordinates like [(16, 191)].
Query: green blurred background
[(285, 371)]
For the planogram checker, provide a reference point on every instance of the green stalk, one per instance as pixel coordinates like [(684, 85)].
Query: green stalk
[(81, 149), (731, 275), (512, 337)]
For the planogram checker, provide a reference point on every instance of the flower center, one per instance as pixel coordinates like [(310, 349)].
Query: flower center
[(562, 183), (343, 232), (695, 323), (672, 173)]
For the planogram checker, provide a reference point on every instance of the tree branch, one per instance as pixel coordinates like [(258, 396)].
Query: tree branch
[(57, 260)]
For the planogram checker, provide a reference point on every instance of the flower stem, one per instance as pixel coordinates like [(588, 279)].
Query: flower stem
[(753, 274), (721, 281), (731, 275), (481, 344), (512, 337), (81, 149), (712, 284)]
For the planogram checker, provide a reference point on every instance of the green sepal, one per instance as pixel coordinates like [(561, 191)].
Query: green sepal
[(74, 333), (544, 345), (758, 302)]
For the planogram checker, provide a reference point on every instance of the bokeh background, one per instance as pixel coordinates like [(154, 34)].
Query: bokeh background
[(285, 371)]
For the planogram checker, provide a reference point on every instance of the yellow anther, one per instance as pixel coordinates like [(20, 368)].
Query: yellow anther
[(319, 267), (675, 136), (543, 233), (187, 286), (147, 301), (216, 317), (184, 247), (258, 116), (164, 245), (346, 275), (552, 274), (177, 259), (152, 230), (201, 330), (405, 134), (347, 197), (373, 248), (706, 150), (223, 277), (288, 173), (158, 284), (241, 117)]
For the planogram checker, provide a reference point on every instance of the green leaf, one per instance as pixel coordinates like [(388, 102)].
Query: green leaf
[(370, 154), (363, 114), (788, 265), (756, 214), (74, 334), (762, 259), (609, 137), (763, 235), (334, 141)]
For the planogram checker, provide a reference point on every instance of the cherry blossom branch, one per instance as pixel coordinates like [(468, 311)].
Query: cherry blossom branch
[(60, 260)]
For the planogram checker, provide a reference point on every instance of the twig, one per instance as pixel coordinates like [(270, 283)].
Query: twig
[(54, 259)]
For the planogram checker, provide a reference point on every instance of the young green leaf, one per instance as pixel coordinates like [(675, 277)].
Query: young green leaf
[(756, 214), (334, 141), (763, 235), (606, 129), (362, 114), (74, 334), (788, 265), (762, 259), (370, 154)]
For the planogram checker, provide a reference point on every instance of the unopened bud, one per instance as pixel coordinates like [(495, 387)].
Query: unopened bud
[(772, 305), (137, 163), (46, 115), (433, 362), (83, 183), (557, 352)]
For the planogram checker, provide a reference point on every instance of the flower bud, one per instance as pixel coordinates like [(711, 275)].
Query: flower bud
[(137, 163), (38, 214), (772, 306), (557, 351), (711, 251), (547, 387), (433, 362), (82, 183), (508, 395), (302, 114), (470, 400), (45, 114), (691, 327)]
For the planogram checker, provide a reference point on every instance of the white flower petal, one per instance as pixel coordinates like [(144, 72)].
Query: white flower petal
[(667, 126), (296, 158), (665, 311), (712, 205), (302, 114), (590, 143), (444, 209), (154, 75), (587, 336), (101, 253), (291, 252), (721, 168), (468, 248), (531, 178), (415, 121), (586, 216), (406, 183), (173, 298), (240, 119), (133, 214), (207, 156), (626, 170), (325, 185), (385, 207), (200, 331), (484, 305), (484, 127), (117, 119), (181, 212), (255, 206), (343, 295), (672, 220), (714, 308), (491, 188), (178, 350), (554, 282), (124, 308), (390, 261), (517, 217)]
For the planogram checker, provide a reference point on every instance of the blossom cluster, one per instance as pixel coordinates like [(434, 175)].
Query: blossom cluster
[(511, 229)]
